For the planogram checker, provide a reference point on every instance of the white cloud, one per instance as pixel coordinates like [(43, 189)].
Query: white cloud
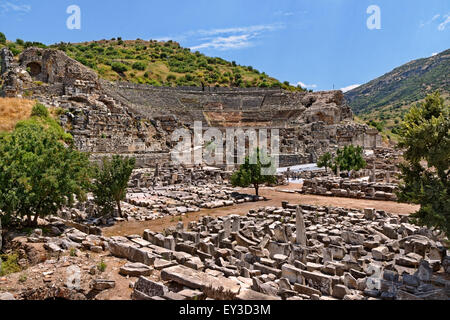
[(237, 30), (8, 6), (435, 17), (284, 13), (350, 88), (307, 86), (226, 38), (226, 43), (442, 26)]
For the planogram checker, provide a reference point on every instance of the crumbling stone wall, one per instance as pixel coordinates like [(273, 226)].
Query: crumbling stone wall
[(338, 187)]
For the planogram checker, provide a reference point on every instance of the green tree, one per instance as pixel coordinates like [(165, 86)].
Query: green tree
[(256, 170), (2, 38), (111, 182), (349, 158), (325, 161), (39, 174), (425, 137)]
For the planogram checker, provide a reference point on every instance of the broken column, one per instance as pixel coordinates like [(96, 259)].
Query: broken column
[(300, 225), (236, 223), (373, 177), (227, 227)]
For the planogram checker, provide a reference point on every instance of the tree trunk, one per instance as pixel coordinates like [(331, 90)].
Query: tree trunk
[(35, 221), (257, 190), (119, 208)]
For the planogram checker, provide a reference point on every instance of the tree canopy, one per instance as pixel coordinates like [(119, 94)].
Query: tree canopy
[(39, 173), (325, 161), (256, 170), (425, 136), (111, 182), (349, 158)]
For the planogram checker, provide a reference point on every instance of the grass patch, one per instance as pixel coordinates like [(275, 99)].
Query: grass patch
[(9, 264), (13, 110), (73, 252), (23, 278)]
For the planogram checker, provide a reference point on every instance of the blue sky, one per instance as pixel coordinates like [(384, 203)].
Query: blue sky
[(323, 44)]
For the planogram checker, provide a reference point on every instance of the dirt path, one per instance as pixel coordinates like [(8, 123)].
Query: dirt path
[(275, 197)]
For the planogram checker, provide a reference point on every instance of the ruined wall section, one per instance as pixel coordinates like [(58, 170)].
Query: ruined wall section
[(230, 107)]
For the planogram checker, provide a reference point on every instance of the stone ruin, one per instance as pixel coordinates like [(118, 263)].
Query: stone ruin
[(137, 120), (167, 191), (272, 253), (346, 188), (292, 253)]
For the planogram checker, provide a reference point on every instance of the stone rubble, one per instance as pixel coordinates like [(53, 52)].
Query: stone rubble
[(339, 187), (289, 253), (260, 254)]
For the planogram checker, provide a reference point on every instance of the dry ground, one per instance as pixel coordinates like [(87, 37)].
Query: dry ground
[(275, 198), (13, 110)]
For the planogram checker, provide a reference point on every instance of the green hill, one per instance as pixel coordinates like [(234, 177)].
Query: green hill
[(383, 102), (158, 63), (388, 98)]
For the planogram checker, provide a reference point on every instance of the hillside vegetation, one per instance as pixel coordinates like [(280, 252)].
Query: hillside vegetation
[(383, 102), (158, 63)]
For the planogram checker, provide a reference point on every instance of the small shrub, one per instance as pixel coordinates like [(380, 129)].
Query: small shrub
[(23, 278), (119, 67), (9, 264), (139, 66), (39, 110), (102, 266), (73, 252), (2, 38)]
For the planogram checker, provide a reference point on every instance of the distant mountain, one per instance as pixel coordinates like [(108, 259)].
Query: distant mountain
[(390, 96)]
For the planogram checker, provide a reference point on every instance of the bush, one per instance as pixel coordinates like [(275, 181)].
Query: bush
[(40, 175), (102, 266), (171, 78), (377, 125), (9, 264), (139, 66), (39, 110), (119, 67)]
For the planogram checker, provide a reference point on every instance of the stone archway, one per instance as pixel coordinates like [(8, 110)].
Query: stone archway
[(34, 68)]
